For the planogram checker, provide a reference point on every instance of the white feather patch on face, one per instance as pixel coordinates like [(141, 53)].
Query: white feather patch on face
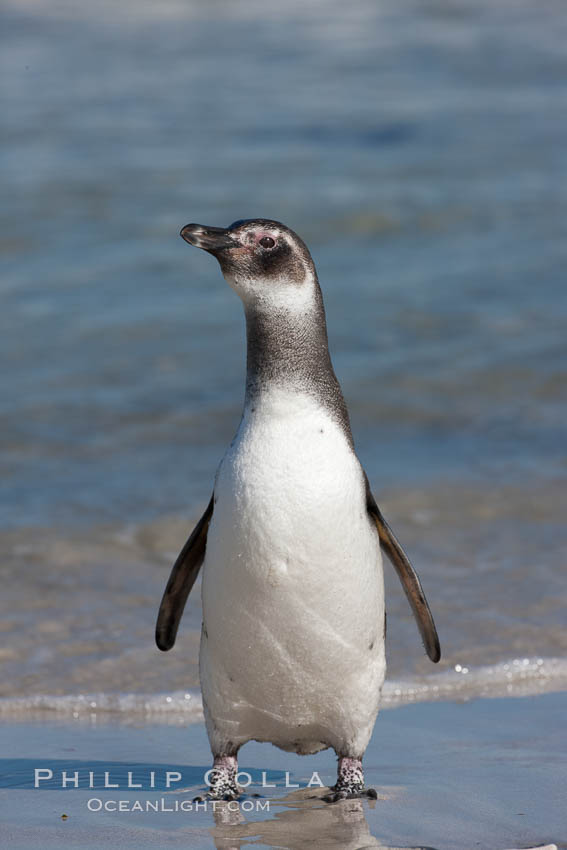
[(275, 294)]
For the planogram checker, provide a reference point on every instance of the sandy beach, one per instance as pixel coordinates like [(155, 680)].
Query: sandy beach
[(487, 774)]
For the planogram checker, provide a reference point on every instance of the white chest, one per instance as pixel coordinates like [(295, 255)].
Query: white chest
[(288, 478), (290, 526), (293, 605)]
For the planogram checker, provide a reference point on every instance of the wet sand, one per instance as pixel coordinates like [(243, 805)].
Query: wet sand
[(488, 774)]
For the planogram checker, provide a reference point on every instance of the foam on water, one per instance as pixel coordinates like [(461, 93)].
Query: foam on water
[(518, 677)]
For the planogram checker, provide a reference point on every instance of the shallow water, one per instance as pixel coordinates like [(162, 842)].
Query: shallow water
[(420, 149), (488, 774)]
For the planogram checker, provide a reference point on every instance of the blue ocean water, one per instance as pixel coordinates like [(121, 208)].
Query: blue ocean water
[(420, 150)]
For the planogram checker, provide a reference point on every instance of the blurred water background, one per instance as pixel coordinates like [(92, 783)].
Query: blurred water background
[(420, 149)]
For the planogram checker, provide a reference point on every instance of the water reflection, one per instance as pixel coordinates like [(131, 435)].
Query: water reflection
[(300, 820)]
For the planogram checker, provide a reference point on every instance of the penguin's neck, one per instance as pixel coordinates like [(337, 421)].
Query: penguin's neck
[(287, 348)]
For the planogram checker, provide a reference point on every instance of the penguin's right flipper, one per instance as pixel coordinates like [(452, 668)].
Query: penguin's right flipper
[(183, 576)]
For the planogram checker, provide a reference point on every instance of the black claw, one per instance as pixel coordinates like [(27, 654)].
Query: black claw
[(229, 796), (352, 794), (335, 797)]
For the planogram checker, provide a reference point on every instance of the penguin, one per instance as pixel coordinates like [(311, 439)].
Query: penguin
[(292, 648)]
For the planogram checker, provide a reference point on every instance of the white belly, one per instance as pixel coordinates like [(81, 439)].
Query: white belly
[(292, 650)]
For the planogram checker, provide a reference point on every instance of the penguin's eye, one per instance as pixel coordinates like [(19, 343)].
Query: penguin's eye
[(267, 242)]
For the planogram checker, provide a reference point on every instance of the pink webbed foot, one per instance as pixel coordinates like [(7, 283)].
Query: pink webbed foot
[(350, 781), (222, 779)]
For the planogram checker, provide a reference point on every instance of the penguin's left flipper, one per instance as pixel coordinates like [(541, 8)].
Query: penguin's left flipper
[(408, 577), (183, 576)]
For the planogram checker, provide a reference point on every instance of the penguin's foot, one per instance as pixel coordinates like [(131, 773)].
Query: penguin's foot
[(351, 793), (222, 780), (350, 782)]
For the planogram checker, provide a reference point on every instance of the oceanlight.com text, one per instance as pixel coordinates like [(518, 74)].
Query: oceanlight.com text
[(169, 805)]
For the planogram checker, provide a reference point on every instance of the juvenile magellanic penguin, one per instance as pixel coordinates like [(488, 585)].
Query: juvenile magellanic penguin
[(292, 641)]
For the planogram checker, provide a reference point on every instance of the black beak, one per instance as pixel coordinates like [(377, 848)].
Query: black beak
[(208, 238)]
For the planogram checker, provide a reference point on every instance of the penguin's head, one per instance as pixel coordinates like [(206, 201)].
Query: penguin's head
[(262, 260)]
